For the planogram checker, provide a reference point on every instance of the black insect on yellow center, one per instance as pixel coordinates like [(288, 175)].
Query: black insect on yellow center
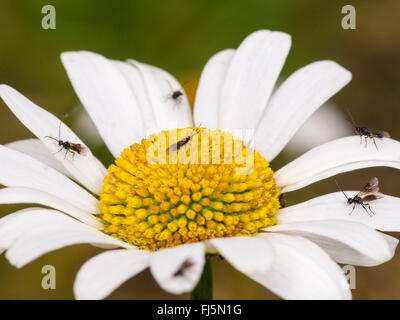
[(213, 186)]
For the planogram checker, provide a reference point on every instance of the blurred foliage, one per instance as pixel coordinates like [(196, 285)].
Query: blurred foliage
[(180, 36)]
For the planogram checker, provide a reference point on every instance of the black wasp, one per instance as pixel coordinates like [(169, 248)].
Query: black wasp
[(74, 148), (369, 193), (182, 269), (180, 143), (368, 133), (175, 95)]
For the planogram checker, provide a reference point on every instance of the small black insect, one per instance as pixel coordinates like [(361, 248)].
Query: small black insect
[(369, 193), (368, 133), (282, 200), (180, 143), (183, 268), (74, 148), (175, 95)]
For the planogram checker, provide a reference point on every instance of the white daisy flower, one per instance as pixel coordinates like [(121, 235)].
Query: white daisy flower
[(166, 217)]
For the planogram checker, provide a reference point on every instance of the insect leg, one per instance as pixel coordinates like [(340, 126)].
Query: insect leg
[(369, 207), (58, 150), (168, 97), (364, 207), (354, 205), (373, 139)]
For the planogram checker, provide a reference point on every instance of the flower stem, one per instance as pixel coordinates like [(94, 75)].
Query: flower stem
[(204, 288)]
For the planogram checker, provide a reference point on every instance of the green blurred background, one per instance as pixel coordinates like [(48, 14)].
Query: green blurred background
[(180, 36)]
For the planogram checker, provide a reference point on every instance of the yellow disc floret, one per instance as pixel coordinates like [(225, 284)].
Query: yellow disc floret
[(187, 185)]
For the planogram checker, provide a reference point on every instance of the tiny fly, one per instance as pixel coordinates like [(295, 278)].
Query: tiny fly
[(180, 143), (369, 193), (368, 133), (74, 148), (183, 268), (175, 95)]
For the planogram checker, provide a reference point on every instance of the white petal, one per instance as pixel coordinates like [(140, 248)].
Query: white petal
[(334, 206), (7, 238), (160, 84), (37, 149), (107, 97), (330, 123), (14, 225), (251, 77), (104, 273), (166, 263), (84, 126), (26, 195), (391, 241), (247, 254), (302, 270), (346, 242), (85, 168), (20, 170), (295, 100), (335, 157), (207, 103), (31, 234), (136, 83)]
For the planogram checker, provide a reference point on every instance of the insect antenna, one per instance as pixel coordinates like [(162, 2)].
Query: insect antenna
[(341, 189), (52, 138), (59, 130), (351, 120)]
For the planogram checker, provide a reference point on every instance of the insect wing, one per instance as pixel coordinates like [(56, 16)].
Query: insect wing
[(84, 151), (381, 134), (180, 143), (173, 147), (185, 265), (371, 191), (371, 187), (372, 196), (78, 148)]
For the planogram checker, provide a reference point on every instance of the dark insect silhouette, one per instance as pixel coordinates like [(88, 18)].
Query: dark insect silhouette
[(175, 95), (282, 200), (180, 143), (187, 264), (369, 193), (368, 133), (73, 148)]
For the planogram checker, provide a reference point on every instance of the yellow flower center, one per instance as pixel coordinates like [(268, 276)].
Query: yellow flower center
[(187, 185)]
